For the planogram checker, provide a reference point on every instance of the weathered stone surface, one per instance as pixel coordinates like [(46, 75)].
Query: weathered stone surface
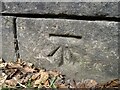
[(60, 0), (0, 37), (105, 9), (0, 6), (7, 43), (80, 49)]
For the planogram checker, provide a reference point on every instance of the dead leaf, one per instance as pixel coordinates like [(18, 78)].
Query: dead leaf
[(74, 84), (2, 79), (26, 78), (11, 73), (35, 76), (3, 65), (11, 65), (28, 69), (37, 82), (61, 86), (43, 78), (20, 72), (19, 61), (11, 82), (2, 60), (19, 82), (90, 83), (29, 64), (113, 83), (46, 83), (54, 73)]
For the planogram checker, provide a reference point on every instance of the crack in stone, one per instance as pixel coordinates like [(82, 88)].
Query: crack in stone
[(64, 16), (16, 46)]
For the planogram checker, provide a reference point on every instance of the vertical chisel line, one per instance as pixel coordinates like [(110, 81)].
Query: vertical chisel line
[(15, 39), (62, 56)]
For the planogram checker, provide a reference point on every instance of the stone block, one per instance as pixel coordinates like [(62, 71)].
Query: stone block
[(8, 50), (0, 37), (80, 49), (104, 9)]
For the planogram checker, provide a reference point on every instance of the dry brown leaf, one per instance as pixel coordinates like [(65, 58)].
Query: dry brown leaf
[(61, 86), (2, 60), (26, 78), (43, 78), (3, 65), (19, 61), (46, 83), (54, 73), (2, 79), (90, 83), (28, 69), (35, 76), (11, 65), (18, 76), (20, 72), (29, 64), (113, 83), (19, 83), (40, 86), (12, 73), (11, 82), (74, 84), (37, 82)]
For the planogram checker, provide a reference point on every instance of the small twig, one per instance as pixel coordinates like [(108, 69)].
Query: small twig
[(19, 83)]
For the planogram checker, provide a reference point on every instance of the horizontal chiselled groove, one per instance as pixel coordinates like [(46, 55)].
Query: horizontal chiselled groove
[(67, 36), (63, 16)]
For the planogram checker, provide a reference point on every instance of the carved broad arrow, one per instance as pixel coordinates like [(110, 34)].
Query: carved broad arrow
[(49, 42), (63, 43)]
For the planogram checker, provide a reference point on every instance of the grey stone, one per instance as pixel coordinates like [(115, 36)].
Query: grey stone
[(7, 43), (105, 9), (60, 0), (80, 49), (0, 6), (0, 37)]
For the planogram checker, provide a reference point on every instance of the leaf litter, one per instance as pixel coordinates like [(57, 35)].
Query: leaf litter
[(21, 74)]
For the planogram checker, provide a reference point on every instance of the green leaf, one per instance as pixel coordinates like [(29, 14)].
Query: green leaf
[(52, 83), (29, 85)]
